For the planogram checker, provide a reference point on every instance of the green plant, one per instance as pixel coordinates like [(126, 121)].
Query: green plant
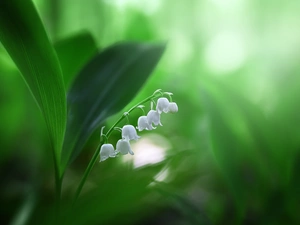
[(94, 92)]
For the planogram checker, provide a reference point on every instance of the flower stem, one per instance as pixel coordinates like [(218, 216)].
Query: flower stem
[(95, 156)]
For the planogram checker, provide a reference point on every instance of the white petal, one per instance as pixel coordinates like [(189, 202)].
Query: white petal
[(103, 158), (153, 117), (123, 147), (162, 105), (143, 124), (112, 153), (106, 151), (129, 133), (130, 150), (173, 108)]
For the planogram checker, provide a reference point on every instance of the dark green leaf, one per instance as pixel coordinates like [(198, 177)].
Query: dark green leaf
[(105, 86), (73, 53), (24, 37)]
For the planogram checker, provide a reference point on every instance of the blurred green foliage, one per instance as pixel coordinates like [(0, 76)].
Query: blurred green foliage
[(231, 155)]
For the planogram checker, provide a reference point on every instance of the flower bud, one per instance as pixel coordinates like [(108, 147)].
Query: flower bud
[(173, 108)]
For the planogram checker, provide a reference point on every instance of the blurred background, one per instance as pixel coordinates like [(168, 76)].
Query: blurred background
[(231, 154)]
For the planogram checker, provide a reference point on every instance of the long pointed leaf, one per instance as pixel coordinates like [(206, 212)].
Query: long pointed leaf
[(24, 37), (105, 86)]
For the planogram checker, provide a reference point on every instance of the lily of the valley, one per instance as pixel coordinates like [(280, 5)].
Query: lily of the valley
[(123, 147), (143, 124), (129, 133), (173, 108), (150, 121), (106, 151), (162, 105), (153, 117)]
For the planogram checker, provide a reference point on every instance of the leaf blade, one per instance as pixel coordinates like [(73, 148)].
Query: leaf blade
[(98, 91), (73, 53), (25, 39)]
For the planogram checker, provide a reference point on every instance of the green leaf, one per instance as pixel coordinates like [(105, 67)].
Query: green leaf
[(105, 86), (73, 53), (24, 37)]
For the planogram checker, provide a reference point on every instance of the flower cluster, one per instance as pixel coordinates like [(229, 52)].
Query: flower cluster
[(145, 122), (123, 145), (153, 116)]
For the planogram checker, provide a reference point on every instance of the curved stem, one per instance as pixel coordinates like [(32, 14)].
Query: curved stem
[(95, 156), (130, 110)]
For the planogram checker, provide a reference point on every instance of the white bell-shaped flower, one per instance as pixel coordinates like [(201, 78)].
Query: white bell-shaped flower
[(153, 117), (123, 147), (106, 151), (162, 105), (129, 133), (173, 108), (143, 124)]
